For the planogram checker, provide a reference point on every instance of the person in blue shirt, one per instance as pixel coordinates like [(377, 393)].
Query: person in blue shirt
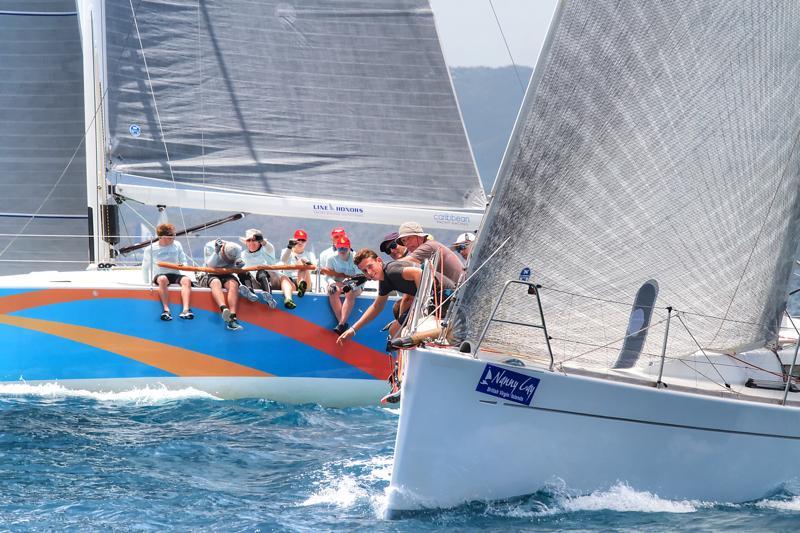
[(168, 250), (329, 252), (340, 267)]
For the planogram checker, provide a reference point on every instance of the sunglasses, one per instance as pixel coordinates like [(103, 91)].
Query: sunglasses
[(343, 249), (300, 240), (460, 247), (392, 246)]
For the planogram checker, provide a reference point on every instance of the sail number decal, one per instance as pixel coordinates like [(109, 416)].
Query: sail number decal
[(507, 384)]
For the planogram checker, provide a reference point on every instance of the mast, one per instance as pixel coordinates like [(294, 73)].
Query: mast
[(90, 17)]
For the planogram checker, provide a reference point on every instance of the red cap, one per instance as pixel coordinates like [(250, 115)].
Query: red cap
[(335, 232), (343, 242), (300, 235)]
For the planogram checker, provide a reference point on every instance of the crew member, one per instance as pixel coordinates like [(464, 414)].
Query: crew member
[(300, 280), (400, 276), (343, 267), (258, 251), (167, 250), (222, 254), (391, 247), (422, 246), (463, 244)]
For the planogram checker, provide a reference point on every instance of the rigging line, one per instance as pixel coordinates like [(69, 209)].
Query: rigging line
[(680, 319), (464, 283), (158, 119), (607, 345), (508, 49), (202, 107)]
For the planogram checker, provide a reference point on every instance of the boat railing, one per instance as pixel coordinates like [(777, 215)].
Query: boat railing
[(533, 289), (425, 288)]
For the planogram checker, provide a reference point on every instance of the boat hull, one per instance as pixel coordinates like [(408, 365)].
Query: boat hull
[(456, 444), (112, 339)]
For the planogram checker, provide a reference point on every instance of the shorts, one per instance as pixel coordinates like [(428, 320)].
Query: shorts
[(205, 281), (174, 279)]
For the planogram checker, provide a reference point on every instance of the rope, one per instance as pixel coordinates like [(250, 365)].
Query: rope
[(158, 119), (508, 49), (680, 319)]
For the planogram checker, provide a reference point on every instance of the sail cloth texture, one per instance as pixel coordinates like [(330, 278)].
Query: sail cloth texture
[(658, 140), (43, 221), (338, 99)]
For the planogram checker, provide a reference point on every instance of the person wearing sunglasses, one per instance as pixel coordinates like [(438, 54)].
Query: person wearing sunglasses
[(168, 250), (340, 267), (463, 244), (258, 251), (296, 254), (392, 248), (329, 252)]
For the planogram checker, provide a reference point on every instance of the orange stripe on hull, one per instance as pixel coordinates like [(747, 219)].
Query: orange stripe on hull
[(376, 364), (183, 363)]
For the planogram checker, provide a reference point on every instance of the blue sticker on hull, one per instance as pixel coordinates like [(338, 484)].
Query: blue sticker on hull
[(507, 384)]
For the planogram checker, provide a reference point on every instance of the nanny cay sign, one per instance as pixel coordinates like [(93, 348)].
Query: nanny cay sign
[(507, 384)]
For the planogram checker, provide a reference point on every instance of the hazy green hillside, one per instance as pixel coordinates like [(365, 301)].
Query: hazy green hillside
[(489, 100)]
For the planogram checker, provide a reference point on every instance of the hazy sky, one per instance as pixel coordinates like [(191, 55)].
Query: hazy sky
[(471, 37)]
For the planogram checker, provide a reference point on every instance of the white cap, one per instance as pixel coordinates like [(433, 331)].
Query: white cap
[(464, 238)]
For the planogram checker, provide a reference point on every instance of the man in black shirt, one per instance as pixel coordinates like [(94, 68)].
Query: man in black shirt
[(400, 276)]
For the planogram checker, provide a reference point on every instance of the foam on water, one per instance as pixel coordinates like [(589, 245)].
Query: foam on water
[(781, 505), (622, 498), (139, 396), (353, 483)]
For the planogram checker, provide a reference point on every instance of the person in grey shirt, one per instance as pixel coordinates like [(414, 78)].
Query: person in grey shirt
[(422, 246)]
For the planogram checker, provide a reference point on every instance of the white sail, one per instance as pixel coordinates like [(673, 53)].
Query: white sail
[(658, 141)]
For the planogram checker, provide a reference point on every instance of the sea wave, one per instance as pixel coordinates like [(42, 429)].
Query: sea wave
[(138, 395)]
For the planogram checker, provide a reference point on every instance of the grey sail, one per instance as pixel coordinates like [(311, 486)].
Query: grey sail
[(658, 141), (345, 99), (43, 222)]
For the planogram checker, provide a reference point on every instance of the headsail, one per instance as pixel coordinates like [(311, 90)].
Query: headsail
[(658, 140), (43, 222), (346, 101)]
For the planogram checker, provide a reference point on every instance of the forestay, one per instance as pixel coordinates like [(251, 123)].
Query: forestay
[(348, 101), (43, 220), (658, 140)]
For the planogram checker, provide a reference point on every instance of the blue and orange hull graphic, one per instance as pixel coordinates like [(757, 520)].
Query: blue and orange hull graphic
[(111, 339)]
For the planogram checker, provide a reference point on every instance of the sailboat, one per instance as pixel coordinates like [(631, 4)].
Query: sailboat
[(620, 322), (297, 114)]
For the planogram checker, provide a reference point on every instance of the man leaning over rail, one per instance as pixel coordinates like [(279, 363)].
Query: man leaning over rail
[(401, 276)]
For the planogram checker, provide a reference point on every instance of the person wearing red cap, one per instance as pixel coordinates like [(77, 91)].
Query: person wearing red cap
[(327, 253), (341, 267), (300, 280)]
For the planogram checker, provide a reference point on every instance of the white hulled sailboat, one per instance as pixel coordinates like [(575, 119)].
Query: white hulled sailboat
[(649, 196)]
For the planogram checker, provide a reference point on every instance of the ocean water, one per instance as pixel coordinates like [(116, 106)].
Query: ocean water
[(158, 460)]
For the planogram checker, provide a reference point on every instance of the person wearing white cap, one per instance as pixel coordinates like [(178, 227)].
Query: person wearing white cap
[(463, 244), (422, 246), (222, 254), (258, 251)]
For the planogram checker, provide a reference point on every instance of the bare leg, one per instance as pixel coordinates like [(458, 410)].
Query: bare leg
[(233, 294), (287, 287), (305, 275), (186, 292), (216, 292), (336, 304), (347, 306), (394, 329), (163, 291)]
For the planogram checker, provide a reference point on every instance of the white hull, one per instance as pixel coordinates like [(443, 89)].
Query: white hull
[(455, 444)]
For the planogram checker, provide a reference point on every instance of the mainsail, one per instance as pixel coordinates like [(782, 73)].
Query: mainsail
[(43, 222), (348, 101), (658, 141)]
